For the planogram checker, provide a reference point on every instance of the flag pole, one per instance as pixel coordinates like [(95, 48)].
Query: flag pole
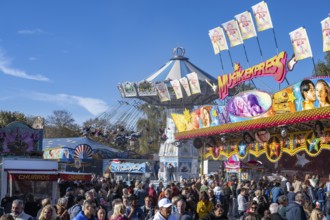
[(262, 58), (247, 59), (275, 40), (231, 60), (221, 63), (315, 70)]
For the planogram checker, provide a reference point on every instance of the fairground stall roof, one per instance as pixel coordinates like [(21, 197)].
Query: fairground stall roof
[(179, 83)]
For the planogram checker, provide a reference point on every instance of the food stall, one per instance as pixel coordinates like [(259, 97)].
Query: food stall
[(22, 175)]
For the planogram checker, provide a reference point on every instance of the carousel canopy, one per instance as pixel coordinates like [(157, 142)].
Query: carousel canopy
[(177, 74)]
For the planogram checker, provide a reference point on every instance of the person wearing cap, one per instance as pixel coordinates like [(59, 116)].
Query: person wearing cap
[(134, 212), (165, 209)]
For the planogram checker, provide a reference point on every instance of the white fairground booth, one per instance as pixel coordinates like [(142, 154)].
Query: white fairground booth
[(24, 175)]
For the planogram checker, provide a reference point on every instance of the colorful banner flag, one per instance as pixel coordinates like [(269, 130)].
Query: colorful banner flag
[(301, 47), (177, 88), (233, 33), (218, 40), (262, 16), (194, 83), (246, 25), (326, 34), (163, 92), (185, 84)]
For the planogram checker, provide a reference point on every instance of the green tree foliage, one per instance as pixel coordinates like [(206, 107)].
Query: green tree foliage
[(60, 124), (323, 67), (152, 128), (7, 117)]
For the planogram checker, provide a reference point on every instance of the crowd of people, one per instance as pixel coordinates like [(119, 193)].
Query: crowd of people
[(206, 198)]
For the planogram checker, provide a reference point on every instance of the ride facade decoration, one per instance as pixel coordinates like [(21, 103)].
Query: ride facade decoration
[(290, 121)]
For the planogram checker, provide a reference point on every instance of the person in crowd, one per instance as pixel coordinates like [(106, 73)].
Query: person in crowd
[(252, 210), (327, 205), (134, 212), (88, 212), (212, 196), (76, 208), (291, 194), (17, 211), (69, 195), (101, 214), (165, 209), (297, 184), (48, 213), (204, 206), (148, 208), (152, 194), (276, 192), (283, 203), (118, 212), (274, 215), (61, 208), (44, 202), (7, 217), (242, 202), (217, 213), (316, 214), (295, 210), (266, 215), (31, 206), (181, 213), (140, 194), (321, 196)]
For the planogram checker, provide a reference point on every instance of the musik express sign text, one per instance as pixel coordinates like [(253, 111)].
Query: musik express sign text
[(275, 66)]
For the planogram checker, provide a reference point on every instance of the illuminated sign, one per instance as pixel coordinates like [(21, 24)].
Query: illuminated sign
[(34, 177), (275, 66), (75, 177), (128, 167)]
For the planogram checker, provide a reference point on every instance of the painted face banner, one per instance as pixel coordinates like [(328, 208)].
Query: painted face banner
[(233, 33), (185, 84), (262, 16), (194, 83), (326, 34), (218, 40), (246, 25), (163, 92), (177, 88), (300, 42)]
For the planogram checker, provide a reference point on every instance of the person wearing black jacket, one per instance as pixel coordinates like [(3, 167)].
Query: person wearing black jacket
[(217, 214)]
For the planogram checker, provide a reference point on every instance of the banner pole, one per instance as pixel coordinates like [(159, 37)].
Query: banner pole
[(262, 58), (315, 70), (275, 40), (247, 59), (231, 60), (221, 63)]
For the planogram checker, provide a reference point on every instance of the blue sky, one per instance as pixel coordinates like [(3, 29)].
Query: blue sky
[(71, 55)]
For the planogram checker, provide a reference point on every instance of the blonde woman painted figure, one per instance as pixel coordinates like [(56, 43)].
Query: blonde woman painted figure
[(241, 108), (322, 93)]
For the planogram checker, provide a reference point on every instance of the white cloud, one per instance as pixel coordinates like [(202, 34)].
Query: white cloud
[(31, 32), (32, 58), (92, 105), (5, 67)]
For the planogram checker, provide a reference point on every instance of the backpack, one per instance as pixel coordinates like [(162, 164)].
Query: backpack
[(74, 210)]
